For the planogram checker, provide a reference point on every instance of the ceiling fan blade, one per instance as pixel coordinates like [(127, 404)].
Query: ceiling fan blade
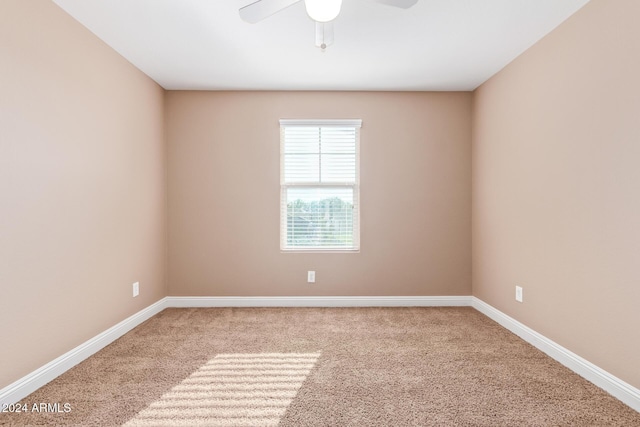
[(404, 4), (324, 34), (260, 9)]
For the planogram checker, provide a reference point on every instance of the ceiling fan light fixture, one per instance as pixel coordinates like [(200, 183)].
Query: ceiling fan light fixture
[(323, 10)]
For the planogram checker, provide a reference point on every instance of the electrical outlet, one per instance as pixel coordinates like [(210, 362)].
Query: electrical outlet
[(311, 277), (136, 289), (518, 294)]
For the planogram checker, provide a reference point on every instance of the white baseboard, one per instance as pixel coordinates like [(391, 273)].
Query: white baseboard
[(611, 384), (408, 301), (31, 382), (28, 384)]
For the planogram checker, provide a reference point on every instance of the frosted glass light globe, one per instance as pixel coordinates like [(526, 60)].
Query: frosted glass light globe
[(323, 10)]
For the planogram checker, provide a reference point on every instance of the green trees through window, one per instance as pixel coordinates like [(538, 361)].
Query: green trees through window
[(321, 223)]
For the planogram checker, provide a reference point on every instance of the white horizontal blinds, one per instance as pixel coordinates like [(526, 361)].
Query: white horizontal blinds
[(319, 180), (320, 154)]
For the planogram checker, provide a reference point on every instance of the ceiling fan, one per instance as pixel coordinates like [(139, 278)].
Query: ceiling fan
[(323, 12)]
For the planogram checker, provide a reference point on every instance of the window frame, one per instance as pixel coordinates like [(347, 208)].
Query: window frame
[(355, 186)]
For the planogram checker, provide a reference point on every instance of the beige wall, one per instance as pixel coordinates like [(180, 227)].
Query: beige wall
[(82, 204), (556, 198), (223, 186), (556, 187)]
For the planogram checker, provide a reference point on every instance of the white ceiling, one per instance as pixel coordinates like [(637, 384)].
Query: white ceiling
[(436, 45)]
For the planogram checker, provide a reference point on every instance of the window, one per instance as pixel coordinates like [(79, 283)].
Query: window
[(319, 180)]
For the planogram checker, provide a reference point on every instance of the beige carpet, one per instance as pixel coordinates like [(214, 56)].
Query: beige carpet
[(323, 367)]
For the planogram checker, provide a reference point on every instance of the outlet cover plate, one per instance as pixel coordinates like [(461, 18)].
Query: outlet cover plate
[(518, 293), (311, 277), (136, 289)]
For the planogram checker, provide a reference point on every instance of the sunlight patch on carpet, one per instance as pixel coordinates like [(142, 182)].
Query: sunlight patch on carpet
[(232, 390)]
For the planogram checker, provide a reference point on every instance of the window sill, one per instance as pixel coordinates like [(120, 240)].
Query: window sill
[(319, 251)]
